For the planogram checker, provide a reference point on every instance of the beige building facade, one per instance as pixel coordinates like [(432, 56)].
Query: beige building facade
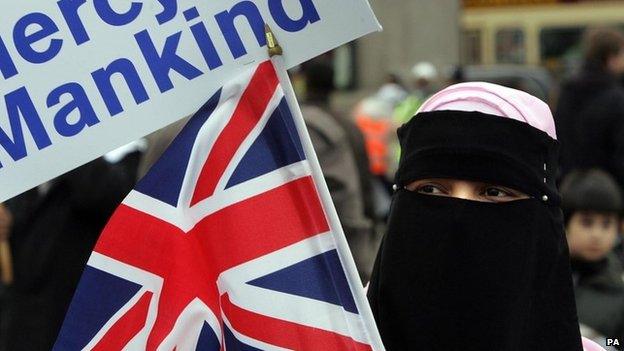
[(414, 30)]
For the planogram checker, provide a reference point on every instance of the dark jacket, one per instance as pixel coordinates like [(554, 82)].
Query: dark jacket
[(340, 170), (51, 239), (599, 291), (590, 123)]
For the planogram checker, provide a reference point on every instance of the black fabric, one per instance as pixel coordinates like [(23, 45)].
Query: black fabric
[(51, 240), (590, 123), (477, 146), (583, 268), (454, 274)]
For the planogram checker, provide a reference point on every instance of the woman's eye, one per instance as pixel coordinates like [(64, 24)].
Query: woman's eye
[(430, 189), (497, 192)]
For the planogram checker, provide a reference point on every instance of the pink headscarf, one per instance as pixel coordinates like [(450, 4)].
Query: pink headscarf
[(496, 100)]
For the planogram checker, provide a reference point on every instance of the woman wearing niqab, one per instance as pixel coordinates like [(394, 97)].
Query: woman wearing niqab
[(487, 269)]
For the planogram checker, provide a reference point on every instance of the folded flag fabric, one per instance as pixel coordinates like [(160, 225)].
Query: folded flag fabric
[(225, 244)]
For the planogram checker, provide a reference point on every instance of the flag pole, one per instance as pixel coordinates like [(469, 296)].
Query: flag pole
[(346, 258)]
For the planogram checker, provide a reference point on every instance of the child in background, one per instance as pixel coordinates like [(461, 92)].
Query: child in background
[(592, 203)]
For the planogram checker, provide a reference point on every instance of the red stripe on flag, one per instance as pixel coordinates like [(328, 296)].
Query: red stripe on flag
[(250, 108), (126, 327), (285, 334), (262, 224), (150, 244), (241, 232), (190, 262), (142, 240)]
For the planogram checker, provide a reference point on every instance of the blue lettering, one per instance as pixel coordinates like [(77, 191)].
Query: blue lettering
[(170, 10), (69, 9), (108, 15), (226, 20), (161, 64), (24, 42), (102, 79), (7, 67), (309, 16), (191, 14), (18, 103), (80, 101), (203, 40)]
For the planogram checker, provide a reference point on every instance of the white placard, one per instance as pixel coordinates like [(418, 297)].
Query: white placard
[(82, 77)]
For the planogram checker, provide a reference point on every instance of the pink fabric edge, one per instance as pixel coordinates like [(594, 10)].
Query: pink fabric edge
[(494, 99), (589, 345)]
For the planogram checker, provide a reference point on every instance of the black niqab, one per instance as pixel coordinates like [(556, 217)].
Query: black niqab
[(454, 274)]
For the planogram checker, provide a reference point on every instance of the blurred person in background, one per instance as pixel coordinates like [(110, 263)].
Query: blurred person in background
[(373, 116), (457, 75), (392, 90), (54, 228), (424, 82), (341, 152), (424, 77), (592, 204), (590, 110)]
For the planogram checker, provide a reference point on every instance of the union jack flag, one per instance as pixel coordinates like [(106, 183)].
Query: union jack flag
[(224, 244)]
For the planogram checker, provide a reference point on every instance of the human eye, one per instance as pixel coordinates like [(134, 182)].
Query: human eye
[(431, 189), (609, 223), (501, 194), (496, 192), (428, 187), (587, 221)]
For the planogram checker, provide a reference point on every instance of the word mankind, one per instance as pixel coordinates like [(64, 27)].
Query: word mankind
[(162, 61)]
